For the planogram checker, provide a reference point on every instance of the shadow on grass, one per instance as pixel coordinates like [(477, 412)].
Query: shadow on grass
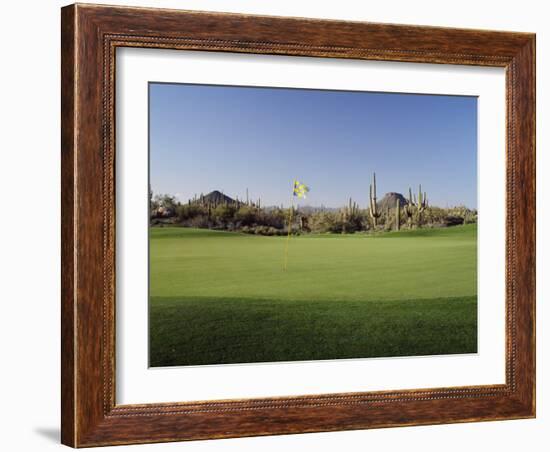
[(199, 331)]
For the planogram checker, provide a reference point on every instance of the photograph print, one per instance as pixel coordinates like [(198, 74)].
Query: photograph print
[(294, 224)]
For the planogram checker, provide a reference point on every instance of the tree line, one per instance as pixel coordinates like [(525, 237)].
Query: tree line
[(251, 217)]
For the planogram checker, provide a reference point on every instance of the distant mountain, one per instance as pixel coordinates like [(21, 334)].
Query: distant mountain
[(216, 197), (390, 200)]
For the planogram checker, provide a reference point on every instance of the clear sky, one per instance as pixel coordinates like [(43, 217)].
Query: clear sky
[(205, 138)]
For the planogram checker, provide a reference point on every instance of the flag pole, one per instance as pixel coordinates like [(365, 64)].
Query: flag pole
[(285, 261)]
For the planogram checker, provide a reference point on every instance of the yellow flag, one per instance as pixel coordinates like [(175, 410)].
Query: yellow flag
[(300, 190)]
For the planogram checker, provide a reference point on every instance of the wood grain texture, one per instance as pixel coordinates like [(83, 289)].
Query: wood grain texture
[(90, 36), (68, 310)]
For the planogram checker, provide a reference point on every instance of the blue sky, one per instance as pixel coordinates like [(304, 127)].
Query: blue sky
[(205, 138)]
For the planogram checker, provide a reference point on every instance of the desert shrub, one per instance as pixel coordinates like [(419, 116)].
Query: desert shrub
[(166, 201), (453, 220), (450, 216), (224, 214), (389, 224), (325, 222), (353, 223), (261, 230), (188, 211), (246, 216), (200, 221), (275, 218), (470, 217)]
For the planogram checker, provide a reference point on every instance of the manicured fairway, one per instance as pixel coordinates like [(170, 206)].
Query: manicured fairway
[(221, 297)]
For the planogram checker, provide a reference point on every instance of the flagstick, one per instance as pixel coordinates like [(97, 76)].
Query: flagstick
[(285, 261)]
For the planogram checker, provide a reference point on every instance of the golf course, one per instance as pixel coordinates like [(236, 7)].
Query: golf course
[(220, 297)]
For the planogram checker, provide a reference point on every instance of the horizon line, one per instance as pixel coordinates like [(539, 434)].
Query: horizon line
[(319, 206)]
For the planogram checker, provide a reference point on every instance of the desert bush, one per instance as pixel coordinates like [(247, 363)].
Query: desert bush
[(188, 211), (236, 216), (389, 224), (453, 220), (470, 216), (200, 221), (261, 230), (224, 214), (325, 222), (354, 223), (275, 218), (166, 201), (246, 216)]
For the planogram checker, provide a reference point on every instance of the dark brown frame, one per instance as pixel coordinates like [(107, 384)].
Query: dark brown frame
[(90, 35)]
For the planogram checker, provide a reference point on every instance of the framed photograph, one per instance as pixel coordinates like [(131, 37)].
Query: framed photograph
[(281, 225)]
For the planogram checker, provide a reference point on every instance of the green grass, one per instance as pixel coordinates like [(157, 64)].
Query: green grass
[(221, 297)]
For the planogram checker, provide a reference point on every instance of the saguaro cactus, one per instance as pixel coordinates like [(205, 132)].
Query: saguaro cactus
[(350, 216), (415, 205), (408, 209), (352, 209), (344, 221), (373, 208), (421, 205), (397, 214)]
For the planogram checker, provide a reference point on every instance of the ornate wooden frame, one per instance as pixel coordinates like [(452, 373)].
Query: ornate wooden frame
[(90, 35)]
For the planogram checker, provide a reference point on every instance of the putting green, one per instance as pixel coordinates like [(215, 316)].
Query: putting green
[(221, 297)]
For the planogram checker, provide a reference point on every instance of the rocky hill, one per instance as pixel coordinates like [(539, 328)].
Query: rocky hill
[(216, 197), (390, 200)]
